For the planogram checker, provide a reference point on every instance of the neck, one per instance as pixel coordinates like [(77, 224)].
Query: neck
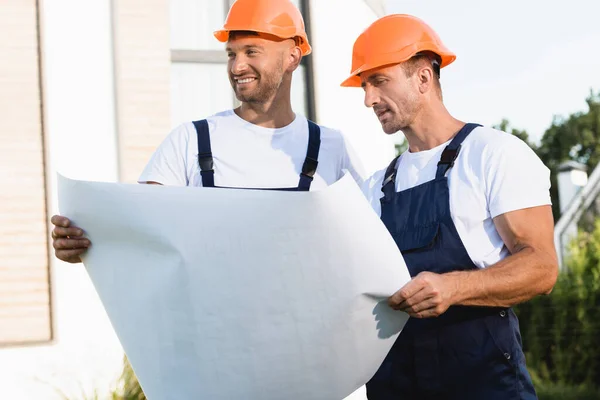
[(275, 113), (431, 128)]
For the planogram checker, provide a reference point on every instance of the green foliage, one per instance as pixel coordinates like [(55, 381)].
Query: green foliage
[(562, 392), (401, 147), (561, 332), (552, 391), (129, 387), (575, 138)]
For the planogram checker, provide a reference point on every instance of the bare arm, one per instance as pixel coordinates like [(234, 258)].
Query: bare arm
[(530, 270)]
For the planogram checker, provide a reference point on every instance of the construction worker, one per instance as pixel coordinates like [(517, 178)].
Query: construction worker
[(262, 143), (469, 208)]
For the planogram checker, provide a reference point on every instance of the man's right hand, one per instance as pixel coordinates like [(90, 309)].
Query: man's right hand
[(68, 240)]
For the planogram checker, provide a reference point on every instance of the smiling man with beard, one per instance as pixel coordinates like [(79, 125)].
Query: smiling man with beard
[(262, 144)]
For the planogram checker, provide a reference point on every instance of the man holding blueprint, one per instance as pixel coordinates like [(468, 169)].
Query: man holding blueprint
[(263, 294), (469, 208), (261, 144)]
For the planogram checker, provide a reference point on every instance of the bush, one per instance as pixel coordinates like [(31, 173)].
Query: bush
[(552, 391), (129, 387), (561, 331)]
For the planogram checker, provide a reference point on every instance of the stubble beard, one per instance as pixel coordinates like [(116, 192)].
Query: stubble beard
[(267, 88)]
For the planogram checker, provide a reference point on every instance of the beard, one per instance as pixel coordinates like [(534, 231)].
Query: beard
[(267, 85), (395, 125), (403, 117)]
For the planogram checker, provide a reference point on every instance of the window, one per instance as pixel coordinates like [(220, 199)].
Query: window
[(199, 82)]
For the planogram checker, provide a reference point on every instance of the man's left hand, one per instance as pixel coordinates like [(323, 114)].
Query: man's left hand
[(426, 295)]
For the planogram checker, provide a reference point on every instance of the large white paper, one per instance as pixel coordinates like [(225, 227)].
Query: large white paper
[(242, 294)]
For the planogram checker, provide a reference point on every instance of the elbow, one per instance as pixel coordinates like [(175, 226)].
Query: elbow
[(550, 276)]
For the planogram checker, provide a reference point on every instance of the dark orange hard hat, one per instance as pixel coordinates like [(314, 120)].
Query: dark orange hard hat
[(280, 18), (391, 40)]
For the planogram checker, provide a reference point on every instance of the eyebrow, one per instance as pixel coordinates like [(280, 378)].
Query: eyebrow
[(372, 78), (248, 46)]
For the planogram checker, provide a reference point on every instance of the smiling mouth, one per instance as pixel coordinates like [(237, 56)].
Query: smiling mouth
[(244, 81)]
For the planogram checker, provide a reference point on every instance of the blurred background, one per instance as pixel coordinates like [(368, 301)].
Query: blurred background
[(89, 89)]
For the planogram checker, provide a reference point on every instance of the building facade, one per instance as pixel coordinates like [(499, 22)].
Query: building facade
[(88, 90)]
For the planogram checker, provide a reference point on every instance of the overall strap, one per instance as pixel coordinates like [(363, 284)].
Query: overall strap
[(451, 151), (388, 187), (205, 158), (312, 156)]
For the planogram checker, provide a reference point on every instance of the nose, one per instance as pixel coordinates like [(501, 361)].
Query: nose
[(371, 96), (238, 65)]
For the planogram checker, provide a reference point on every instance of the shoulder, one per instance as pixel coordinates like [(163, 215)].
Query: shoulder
[(220, 119), (490, 148), (512, 174), (488, 139), (332, 140), (179, 135), (327, 133), (187, 130)]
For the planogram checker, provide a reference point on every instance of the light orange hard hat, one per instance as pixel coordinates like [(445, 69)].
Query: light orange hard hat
[(279, 18), (391, 40)]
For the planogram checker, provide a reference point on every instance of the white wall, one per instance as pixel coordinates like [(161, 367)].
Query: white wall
[(79, 109), (335, 25)]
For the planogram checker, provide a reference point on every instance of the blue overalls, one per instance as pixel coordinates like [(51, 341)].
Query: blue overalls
[(467, 353), (205, 158)]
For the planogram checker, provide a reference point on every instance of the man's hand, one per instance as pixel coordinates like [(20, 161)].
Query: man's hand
[(426, 295), (68, 240), (529, 271)]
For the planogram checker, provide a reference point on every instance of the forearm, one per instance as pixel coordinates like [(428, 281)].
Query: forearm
[(525, 274)]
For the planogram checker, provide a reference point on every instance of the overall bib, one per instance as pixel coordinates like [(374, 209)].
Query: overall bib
[(205, 158), (467, 353)]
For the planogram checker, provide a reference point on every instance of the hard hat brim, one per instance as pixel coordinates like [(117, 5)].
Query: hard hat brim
[(391, 59), (222, 36)]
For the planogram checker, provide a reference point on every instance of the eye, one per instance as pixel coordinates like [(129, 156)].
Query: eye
[(251, 52), (379, 82), (230, 55)]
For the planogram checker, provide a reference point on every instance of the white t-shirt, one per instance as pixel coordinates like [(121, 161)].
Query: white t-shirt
[(250, 156), (495, 173)]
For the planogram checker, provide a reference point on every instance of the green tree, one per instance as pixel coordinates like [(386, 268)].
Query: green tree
[(560, 331), (576, 138)]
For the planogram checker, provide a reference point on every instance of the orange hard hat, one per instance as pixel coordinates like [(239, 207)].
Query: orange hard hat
[(279, 18), (391, 40)]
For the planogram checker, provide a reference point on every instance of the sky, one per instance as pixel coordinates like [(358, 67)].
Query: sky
[(525, 61)]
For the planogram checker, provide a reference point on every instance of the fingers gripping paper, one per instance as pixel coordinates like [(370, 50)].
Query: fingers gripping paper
[(241, 294)]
